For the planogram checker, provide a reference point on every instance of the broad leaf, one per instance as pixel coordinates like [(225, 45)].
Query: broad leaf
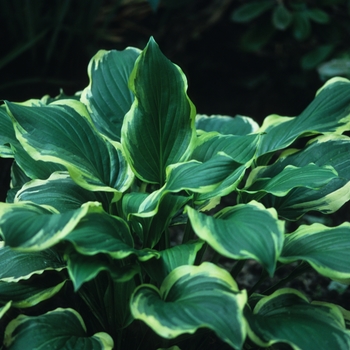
[(16, 265), (82, 268), (326, 249), (108, 97), (25, 294), (31, 227), (57, 329), (225, 125), (7, 134), (327, 112), (159, 129), (170, 259), (233, 233), (99, 232), (60, 192), (327, 150), (287, 317), (193, 297), (62, 133), (309, 176), (4, 308)]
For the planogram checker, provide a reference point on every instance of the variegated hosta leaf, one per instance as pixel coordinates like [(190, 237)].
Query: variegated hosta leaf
[(226, 125), (193, 297), (286, 316), (154, 226), (108, 97), (30, 227), (326, 113), (241, 149), (214, 177), (61, 192), (82, 268), (99, 232), (245, 231), (16, 265), (57, 329), (169, 259), (159, 129), (280, 184), (326, 249), (25, 294), (328, 150), (62, 133)]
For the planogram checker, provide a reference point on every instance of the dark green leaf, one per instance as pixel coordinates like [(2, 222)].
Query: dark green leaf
[(251, 10)]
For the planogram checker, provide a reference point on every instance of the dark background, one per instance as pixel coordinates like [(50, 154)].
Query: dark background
[(257, 66)]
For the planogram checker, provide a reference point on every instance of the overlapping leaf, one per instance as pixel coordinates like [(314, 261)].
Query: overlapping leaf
[(225, 125), (248, 231), (326, 113), (108, 97), (25, 294), (159, 129), (287, 317), (193, 297), (31, 227), (326, 249), (328, 150), (16, 265), (60, 192), (62, 133), (170, 259), (60, 329)]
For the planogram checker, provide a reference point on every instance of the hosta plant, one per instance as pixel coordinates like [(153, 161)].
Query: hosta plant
[(115, 232)]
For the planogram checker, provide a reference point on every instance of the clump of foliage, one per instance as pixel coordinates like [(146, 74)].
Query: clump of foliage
[(114, 202)]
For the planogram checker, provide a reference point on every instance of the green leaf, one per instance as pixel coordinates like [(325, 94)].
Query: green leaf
[(315, 57), (170, 259), (281, 17), (82, 268), (59, 191), (225, 125), (287, 317), (193, 297), (25, 294), (241, 148), (326, 249), (4, 309), (318, 15), (280, 184), (328, 112), (254, 9), (258, 35), (334, 67), (301, 25), (159, 129), (234, 234), (156, 224), (62, 133), (7, 134), (330, 150), (60, 329), (31, 227), (108, 97), (99, 232), (16, 265)]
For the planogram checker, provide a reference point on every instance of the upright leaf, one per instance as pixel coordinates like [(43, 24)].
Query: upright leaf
[(159, 129), (108, 97)]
